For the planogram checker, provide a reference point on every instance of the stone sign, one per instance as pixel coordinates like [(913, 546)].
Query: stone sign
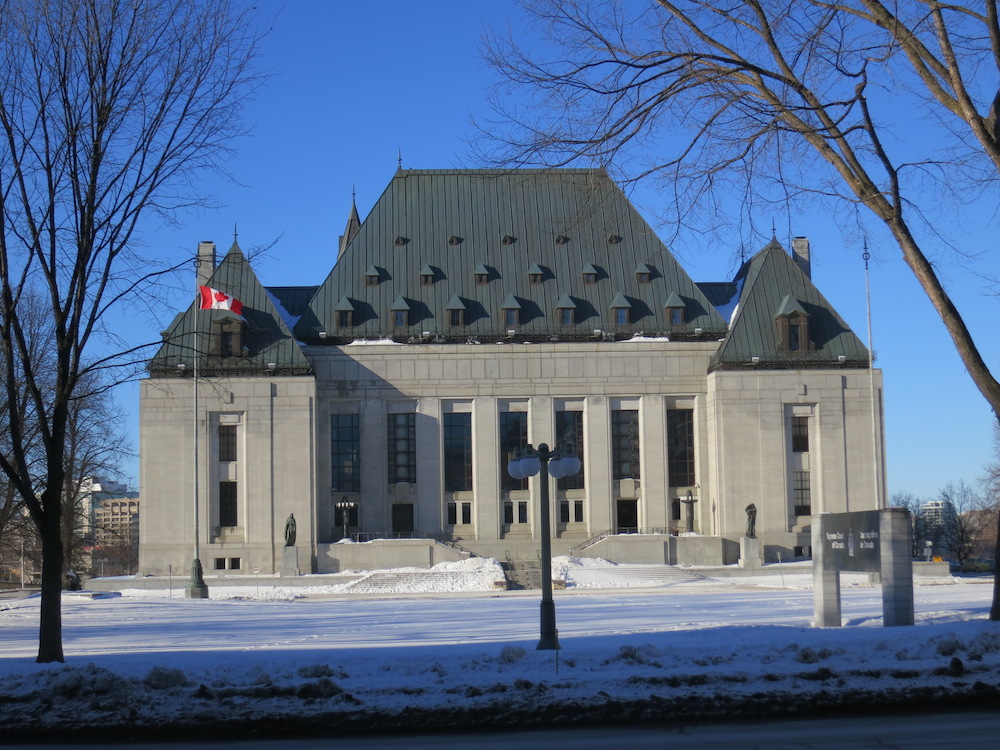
[(851, 541)]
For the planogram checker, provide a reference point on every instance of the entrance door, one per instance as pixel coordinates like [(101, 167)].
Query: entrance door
[(627, 520), (402, 519)]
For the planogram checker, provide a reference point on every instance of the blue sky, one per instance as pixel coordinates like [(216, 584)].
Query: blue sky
[(356, 85)]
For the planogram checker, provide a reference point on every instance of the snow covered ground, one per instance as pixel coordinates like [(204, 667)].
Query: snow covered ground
[(327, 659)]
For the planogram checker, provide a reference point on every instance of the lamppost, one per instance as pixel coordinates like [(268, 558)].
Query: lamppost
[(557, 463), (345, 507)]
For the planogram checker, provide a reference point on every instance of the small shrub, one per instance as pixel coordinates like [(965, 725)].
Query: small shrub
[(317, 670), (947, 646), (511, 654), (161, 678)]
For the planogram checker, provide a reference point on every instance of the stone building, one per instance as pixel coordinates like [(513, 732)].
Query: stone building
[(475, 311)]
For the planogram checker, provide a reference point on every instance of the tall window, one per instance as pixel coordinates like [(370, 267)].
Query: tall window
[(513, 435), (458, 452), (402, 430), (625, 443), (227, 504), (345, 452), (227, 442), (801, 493), (800, 434), (680, 447), (569, 427)]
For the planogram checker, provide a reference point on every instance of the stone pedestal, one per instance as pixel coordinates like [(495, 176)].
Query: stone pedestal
[(289, 561), (750, 552)]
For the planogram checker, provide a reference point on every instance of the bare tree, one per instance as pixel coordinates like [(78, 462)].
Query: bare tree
[(918, 523), (784, 100), (969, 518), (109, 109)]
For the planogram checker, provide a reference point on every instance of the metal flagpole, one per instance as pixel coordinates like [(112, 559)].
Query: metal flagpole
[(196, 588), (871, 382)]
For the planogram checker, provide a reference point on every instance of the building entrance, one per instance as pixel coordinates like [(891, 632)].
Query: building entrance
[(627, 517)]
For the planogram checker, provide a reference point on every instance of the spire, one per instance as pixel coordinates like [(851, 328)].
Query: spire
[(353, 225)]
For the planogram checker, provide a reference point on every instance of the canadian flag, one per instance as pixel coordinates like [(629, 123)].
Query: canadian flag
[(213, 299)]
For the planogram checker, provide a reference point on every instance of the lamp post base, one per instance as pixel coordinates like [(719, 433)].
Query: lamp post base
[(196, 588), (549, 640)]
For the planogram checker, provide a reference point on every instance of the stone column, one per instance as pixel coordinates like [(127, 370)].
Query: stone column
[(826, 583), (895, 549)]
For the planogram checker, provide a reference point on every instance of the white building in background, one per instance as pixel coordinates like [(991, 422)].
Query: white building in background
[(472, 312)]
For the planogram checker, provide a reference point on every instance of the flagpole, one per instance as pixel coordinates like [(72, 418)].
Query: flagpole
[(196, 588)]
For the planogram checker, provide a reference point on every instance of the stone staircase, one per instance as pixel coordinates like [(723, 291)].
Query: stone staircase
[(638, 575), (523, 574), (390, 582)]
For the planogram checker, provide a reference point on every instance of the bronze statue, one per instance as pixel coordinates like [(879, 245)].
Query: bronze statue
[(751, 521), (290, 530)]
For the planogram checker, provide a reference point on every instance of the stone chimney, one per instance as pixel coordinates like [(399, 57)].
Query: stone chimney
[(800, 254), (205, 263)]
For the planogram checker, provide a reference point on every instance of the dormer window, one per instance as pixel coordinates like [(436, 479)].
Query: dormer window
[(372, 276), (535, 278), (481, 275), (510, 310), (589, 274), (643, 273), (642, 278), (400, 310), (426, 276), (344, 313), (227, 338), (455, 309), (536, 274), (566, 311), (674, 307), (562, 239), (792, 326), (621, 310)]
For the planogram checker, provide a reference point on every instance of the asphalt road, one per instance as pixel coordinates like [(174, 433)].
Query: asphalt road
[(943, 731)]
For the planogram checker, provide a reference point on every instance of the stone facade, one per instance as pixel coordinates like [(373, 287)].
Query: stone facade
[(683, 423)]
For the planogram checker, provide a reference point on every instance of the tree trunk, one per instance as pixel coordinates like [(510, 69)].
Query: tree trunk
[(50, 614), (995, 608)]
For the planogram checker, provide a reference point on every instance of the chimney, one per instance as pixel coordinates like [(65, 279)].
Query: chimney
[(205, 262), (800, 254)]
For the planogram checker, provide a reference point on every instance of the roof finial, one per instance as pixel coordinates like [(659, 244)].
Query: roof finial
[(774, 230), (236, 234), (399, 158)]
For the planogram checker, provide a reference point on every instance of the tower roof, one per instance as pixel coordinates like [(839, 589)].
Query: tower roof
[(529, 233)]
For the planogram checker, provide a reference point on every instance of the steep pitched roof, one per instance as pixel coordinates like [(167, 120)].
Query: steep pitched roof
[(265, 336), (516, 226), (773, 286)]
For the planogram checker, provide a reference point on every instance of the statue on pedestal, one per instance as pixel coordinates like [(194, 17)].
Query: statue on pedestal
[(751, 521), (290, 530)]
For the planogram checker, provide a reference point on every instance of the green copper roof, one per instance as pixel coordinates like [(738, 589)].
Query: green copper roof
[(265, 336), (508, 221), (771, 283)]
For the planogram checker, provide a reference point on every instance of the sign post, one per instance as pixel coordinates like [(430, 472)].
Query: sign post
[(873, 541)]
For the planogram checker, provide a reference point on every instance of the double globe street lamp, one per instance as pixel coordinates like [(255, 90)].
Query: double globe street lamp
[(526, 462)]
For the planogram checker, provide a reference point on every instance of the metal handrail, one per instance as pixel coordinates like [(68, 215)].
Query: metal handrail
[(658, 530)]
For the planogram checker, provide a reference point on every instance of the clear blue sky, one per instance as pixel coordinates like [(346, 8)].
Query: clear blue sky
[(356, 84)]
